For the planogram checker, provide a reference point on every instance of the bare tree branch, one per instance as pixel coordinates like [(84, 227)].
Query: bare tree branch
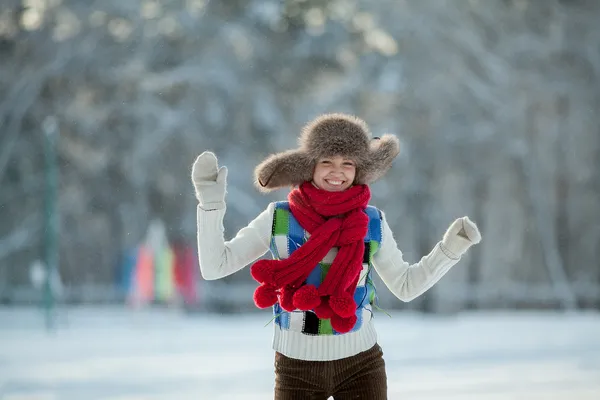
[(25, 98)]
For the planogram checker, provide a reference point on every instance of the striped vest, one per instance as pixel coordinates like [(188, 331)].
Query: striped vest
[(287, 236)]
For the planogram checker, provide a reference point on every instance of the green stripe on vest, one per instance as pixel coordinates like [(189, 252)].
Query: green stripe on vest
[(282, 222)]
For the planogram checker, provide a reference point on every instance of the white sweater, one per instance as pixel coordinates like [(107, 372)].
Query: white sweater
[(219, 258)]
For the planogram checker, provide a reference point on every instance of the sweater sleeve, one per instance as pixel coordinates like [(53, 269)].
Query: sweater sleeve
[(219, 258), (406, 281)]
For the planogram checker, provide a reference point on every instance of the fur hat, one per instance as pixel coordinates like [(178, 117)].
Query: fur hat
[(325, 136)]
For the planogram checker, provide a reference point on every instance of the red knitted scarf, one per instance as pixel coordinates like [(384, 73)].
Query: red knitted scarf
[(333, 219)]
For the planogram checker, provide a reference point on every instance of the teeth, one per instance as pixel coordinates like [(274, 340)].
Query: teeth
[(335, 182)]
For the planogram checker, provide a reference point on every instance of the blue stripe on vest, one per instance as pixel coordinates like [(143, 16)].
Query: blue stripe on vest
[(283, 317), (374, 224), (360, 295), (314, 278), (295, 235), (359, 321)]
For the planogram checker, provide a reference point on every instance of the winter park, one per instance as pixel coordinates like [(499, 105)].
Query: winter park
[(299, 199)]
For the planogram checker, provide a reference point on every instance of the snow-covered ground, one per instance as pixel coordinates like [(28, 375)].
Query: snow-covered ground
[(119, 354)]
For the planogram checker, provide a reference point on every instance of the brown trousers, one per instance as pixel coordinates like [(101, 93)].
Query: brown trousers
[(361, 376)]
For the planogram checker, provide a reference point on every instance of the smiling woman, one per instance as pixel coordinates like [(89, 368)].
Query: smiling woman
[(334, 173), (326, 241)]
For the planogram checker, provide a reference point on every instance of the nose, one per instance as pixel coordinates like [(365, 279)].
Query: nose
[(336, 173), (338, 168)]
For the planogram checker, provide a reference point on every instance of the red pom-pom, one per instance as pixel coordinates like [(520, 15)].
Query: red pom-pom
[(307, 298), (265, 296), (285, 299), (344, 305), (343, 325), (262, 272), (323, 310)]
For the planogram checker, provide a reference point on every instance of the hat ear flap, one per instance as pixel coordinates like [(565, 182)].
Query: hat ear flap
[(291, 167), (382, 152)]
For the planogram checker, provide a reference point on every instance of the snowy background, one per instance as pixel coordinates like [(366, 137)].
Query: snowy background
[(116, 354), (104, 105)]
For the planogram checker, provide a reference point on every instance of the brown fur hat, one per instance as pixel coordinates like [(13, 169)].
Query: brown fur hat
[(325, 136)]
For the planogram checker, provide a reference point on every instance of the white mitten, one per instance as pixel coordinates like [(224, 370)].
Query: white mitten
[(209, 181), (461, 235)]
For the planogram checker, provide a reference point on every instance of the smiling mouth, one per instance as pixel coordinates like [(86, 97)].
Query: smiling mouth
[(334, 182)]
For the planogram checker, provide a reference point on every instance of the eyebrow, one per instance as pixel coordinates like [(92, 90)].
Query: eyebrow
[(344, 160)]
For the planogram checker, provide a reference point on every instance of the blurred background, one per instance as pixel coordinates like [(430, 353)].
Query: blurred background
[(104, 105)]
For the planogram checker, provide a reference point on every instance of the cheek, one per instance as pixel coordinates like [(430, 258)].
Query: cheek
[(321, 171), (318, 173), (351, 173)]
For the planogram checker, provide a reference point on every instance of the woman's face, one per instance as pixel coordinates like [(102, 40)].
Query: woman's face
[(334, 174)]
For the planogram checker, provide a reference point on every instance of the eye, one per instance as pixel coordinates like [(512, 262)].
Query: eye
[(325, 162), (349, 164)]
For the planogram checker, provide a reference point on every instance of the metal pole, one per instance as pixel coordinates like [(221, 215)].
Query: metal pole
[(50, 128)]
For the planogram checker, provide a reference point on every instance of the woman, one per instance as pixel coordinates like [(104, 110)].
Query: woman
[(325, 241)]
